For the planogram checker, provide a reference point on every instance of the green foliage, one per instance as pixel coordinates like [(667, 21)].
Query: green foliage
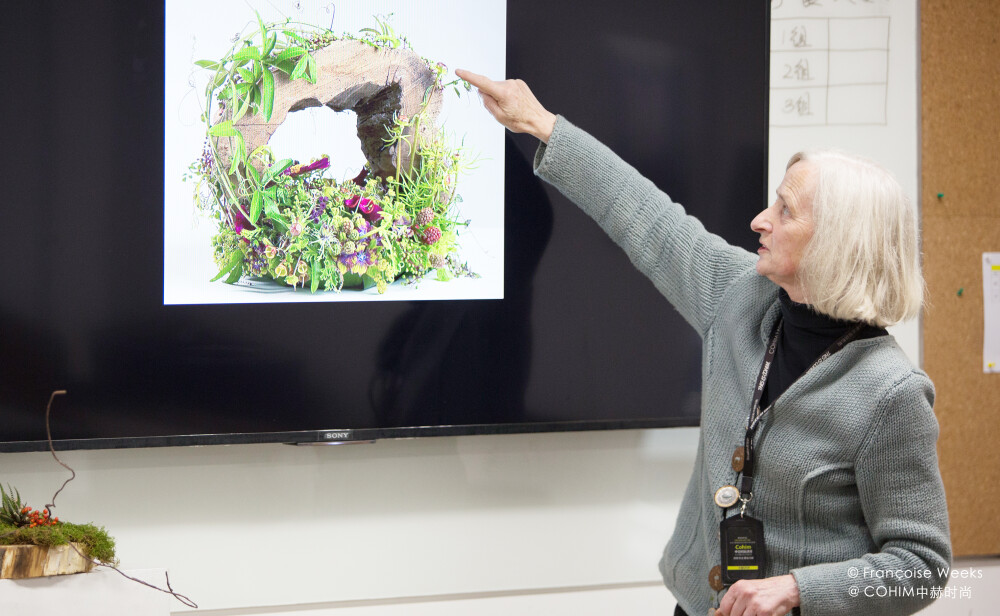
[(13, 511), (383, 35), (98, 544)]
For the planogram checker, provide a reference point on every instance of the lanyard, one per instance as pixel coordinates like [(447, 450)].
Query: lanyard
[(756, 413)]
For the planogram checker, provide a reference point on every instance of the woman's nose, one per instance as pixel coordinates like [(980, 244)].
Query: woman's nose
[(759, 224)]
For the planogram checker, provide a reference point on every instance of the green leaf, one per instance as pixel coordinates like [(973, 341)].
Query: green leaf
[(223, 129), (300, 68), (240, 58), (256, 205), (288, 54), (211, 65), (236, 273), (314, 276), (271, 42), (263, 30), (239, 154), (244, 106), (313, 71), (276, 170), (295, 37), (234, 260), (267, 94), (220, 78), (247, 75), (271, 210), (252, 171)]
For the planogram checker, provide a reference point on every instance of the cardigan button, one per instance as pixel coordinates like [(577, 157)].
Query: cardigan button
[(738, 457), (715, 578)]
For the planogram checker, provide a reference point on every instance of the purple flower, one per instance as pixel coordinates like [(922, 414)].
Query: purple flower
[(368, 208), (318, 209), (294, 170), (349, 260), (240, 221)]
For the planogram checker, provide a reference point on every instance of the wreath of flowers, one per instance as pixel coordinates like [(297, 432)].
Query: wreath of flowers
[(285, 221)]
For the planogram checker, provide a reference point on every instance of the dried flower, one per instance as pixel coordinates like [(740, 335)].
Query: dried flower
[(425, 216)]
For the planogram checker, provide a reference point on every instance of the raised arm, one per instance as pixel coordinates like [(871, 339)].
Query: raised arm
[(691, 267)]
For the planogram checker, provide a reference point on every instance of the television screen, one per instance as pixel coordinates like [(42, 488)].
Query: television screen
[(289, 221)]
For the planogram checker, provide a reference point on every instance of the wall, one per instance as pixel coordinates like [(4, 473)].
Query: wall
[(275, 525)]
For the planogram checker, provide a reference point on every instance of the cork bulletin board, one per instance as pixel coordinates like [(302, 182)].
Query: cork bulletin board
[(960, 204)]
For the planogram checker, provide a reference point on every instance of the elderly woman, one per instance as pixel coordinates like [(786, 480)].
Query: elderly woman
[(816, 486)]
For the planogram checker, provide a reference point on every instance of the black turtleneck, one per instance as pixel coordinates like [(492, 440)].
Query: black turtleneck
[(805, 335)]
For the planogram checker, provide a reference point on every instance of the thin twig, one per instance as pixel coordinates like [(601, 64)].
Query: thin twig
[(48, 432), (169, 589)]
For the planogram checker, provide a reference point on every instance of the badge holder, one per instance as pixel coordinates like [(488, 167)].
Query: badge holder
[(742, 541)]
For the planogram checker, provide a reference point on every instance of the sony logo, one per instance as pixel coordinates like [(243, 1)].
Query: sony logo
[(340, 435)]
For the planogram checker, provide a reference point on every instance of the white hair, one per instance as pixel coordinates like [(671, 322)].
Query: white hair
[(863, 260)]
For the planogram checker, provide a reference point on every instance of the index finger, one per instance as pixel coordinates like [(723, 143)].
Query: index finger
[(482, 82)]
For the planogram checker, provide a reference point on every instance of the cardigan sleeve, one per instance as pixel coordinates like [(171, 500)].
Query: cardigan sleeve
[(690, 266), (903, 501)]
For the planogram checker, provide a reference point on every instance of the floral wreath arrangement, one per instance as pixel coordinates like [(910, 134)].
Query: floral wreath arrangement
[(284, 221)]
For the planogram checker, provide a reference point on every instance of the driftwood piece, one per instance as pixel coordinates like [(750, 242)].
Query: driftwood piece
[(29, 561), (374, 83)]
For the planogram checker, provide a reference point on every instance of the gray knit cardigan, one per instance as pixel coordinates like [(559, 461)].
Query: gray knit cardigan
[(847, 482)]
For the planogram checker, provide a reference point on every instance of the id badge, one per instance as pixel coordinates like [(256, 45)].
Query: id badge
[(742, 542)]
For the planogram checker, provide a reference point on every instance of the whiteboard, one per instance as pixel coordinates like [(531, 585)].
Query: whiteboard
[(844, 75)]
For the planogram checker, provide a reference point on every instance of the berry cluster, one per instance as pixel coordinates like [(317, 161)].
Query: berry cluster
[(38, 518)]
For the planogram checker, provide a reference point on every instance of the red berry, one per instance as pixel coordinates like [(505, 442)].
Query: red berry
[(430, 235)]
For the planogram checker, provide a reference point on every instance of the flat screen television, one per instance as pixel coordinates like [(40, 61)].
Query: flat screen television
[(306, 300)]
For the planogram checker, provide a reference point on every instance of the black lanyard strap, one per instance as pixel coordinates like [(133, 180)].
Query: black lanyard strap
[(756, 413)]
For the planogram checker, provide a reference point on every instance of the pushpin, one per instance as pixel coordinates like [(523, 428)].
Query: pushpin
[(960, 291), (990, 365), (940, 195)]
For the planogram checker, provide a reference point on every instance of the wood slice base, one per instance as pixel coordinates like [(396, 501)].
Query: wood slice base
[(18, 562)]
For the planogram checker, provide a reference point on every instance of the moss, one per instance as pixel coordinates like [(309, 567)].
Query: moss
[(99, 545)]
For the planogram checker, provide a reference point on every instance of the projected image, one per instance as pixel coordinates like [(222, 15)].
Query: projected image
[(332, 159)]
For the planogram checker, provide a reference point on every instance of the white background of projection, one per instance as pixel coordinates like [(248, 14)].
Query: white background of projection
[(450, 33)]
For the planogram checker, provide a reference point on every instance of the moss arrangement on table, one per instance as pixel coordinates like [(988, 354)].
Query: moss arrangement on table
[(24, 525)]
